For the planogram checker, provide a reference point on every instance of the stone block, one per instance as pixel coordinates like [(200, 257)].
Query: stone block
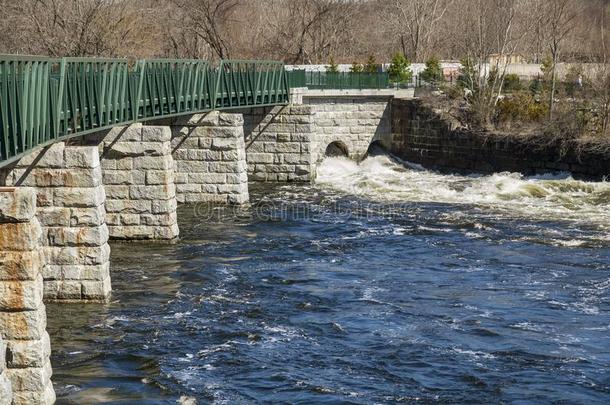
[(159, 219), (163, 192), (131, 133), (207, 119), (157, 134), (20, 236), (82, 157), (54, 216), (223, 144), (93, 216), (17, 204), (48, 157), (28, 353), (21, 295), (234, 120), (117, 192), (32, 379), (20, 265), (154, 163), (163, 206), (185, 166), (128, 206), (77, 236), (88, 255), (130, 219), (23, 325), (46, 397), (155, 177), (44, 197), (79, 196), (96, 290)]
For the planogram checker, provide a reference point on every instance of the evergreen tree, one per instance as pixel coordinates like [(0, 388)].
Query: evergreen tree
[(400, 69), (371, 65), (332, 67), (433, 73)]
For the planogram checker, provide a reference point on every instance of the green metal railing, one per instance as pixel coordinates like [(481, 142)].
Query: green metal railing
[(339, 81), (45, 100)]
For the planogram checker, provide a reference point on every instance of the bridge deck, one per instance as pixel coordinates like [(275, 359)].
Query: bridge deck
[(46, 100)]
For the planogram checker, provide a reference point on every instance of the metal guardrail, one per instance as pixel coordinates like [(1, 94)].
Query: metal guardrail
[(339, 80), (45, 100)]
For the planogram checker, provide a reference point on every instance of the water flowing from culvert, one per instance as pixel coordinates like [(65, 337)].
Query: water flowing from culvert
[(383, 283)]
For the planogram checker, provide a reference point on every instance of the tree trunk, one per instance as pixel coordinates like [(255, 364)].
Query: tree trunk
[(553, 86)]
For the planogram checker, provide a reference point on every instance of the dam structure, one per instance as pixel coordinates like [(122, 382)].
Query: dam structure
[(95, 150)]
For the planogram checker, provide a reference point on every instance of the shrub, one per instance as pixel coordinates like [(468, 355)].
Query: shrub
[(356, 67), (520, 107), (512, 83), (400, 71)]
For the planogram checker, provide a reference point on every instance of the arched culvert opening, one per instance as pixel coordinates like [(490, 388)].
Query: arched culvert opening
[(376, 148), (336, 149)]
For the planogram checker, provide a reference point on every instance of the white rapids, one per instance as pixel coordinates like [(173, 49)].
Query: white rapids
[(553, 197)]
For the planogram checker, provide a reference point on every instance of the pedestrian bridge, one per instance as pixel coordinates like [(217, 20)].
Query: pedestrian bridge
[(99, 149), (46, 100)]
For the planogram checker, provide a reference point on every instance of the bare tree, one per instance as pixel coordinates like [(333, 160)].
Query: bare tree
[(309, 31), (210, 21), (82, 27), (490, 39), (559, 17), (415, 22)]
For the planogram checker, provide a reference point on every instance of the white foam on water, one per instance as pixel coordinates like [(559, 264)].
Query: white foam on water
[(383, 179)]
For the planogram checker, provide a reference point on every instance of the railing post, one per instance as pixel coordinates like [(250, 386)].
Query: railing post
[(139, 91), (60, 95)]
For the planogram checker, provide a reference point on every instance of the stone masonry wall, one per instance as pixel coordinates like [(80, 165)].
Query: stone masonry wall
[(138, 177), (423, 136), (280, 143), (210, 158), (70, 196), (354, 122), (22, 313)]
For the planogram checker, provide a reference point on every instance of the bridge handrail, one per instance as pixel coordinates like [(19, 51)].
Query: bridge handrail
[(339, 80), (44, 100)]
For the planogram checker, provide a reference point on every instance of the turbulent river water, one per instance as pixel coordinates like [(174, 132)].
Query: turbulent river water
[(382, 283)]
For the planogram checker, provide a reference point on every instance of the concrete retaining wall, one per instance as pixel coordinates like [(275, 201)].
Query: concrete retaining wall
[(22, 312), (422, 136)]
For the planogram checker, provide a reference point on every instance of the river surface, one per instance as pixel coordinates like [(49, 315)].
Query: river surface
[(381, 284)]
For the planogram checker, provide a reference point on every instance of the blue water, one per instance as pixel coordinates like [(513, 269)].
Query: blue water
[(314, 295)]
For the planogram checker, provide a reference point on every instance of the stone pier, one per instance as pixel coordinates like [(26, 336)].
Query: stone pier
[(210, 158), (70, 200), (138, 178), (22, 312), (280, 143)]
